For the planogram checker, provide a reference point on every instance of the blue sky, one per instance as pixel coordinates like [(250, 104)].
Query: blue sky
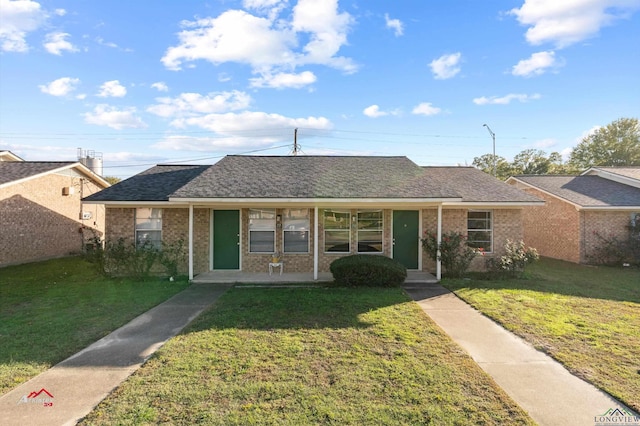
[(147, 82)]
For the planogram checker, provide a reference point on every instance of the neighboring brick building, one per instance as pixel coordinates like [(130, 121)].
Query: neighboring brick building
[(41, 213), (580, 210), (311, 209)]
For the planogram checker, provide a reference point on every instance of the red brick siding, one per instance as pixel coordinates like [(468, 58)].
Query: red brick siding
[(553, 229), (609, 225), (38, 222), (507, 224)]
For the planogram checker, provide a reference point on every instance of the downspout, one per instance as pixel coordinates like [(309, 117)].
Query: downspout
[(190, 242), (315, 243), (439, 239)]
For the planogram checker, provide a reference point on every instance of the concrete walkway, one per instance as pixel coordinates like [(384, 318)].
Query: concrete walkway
[(540, 385), (70, 390)]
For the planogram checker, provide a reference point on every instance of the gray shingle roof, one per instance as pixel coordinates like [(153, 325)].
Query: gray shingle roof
[(154, 184), (313, 177), (632, 172), (15, 170), (474, 185), (586, 191)]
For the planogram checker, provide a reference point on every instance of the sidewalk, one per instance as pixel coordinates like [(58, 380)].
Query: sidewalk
[(536, 382), (67, 392)]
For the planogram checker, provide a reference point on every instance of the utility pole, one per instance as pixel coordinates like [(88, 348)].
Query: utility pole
[(493, 136), (295, 141)]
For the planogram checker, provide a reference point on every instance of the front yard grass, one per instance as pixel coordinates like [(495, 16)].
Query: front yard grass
[(51, 310), (310, 356), (587, 318)]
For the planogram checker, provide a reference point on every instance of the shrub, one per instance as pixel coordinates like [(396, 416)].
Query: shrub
[(368, 270), (512, 264), (615, 251), (455, 254), (172, 256)]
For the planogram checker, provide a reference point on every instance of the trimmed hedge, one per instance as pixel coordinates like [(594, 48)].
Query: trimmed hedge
[(361, 270)]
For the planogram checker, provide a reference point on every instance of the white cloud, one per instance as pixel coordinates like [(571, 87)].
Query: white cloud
[(240, 130), (505, 100), (537, 64), (112, 89), (395, 24), (18, 19), (55, 43), (284, 80), (60, 12), (105, 115), (60, 87), (189, 104), (446, 66), (160, 86), (373, 111), (269, 45), (426, 109), (567, 22)]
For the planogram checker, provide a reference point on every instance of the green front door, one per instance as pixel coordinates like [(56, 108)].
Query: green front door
[(406, 238), (226, 239)]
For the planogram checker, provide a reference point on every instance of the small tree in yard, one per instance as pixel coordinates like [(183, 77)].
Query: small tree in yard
[(455, 254)]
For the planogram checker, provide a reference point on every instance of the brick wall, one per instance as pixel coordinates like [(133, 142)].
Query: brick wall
[(38, 222), (507, 224), (609, 225), (553, 229)]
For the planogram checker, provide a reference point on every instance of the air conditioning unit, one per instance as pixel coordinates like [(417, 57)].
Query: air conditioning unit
[(86, 215), (68, 190)]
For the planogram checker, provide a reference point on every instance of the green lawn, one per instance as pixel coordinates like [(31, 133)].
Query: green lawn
[(588, 318), (310, 356), (50, 310)]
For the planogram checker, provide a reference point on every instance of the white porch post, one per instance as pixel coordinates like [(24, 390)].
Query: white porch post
[(190, 242), (439, 239), (315, 243)]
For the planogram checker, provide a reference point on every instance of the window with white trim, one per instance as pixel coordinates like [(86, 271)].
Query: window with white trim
[(480, 230), (337, 231), (148, 227), (295, 230), (370, 231), (262, 230)]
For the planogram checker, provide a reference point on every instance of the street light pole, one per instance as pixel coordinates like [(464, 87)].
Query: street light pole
[(493, 136)]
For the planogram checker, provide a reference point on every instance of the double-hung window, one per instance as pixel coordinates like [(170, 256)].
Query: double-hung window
[(262, 230), (295, 230), (480, 230), (148, 227), (370, 231), (337, 231)]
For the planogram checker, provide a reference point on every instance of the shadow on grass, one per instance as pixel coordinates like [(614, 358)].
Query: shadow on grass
[(296, 308), (565, 278)]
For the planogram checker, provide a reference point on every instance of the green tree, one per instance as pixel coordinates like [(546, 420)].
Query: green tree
[(616, 144), (112, 179), (485, 163), (536, 162)]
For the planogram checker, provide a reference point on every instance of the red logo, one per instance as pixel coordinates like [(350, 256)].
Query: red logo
[(42, 396)]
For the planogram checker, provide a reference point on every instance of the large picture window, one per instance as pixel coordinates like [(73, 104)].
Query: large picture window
[(149, 227), (262, 230), (480, 230), (295, 230), (370, 231), (337, 231)]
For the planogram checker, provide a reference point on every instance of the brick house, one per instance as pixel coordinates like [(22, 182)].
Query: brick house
[(41, 213), (579, 210), (311, 209)]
